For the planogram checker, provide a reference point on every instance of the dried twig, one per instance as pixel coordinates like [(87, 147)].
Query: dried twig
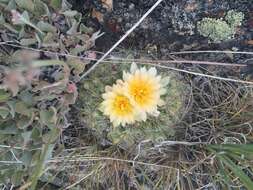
[(201, 74), (121, 39), (211, 51), (113, 59)]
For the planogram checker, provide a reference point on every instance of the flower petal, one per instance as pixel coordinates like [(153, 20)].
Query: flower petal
[(117, 106), (165, 81), (155, 113), (108, 88), (152, 71), (133, 67)]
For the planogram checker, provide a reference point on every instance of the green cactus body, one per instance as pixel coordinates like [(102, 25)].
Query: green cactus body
[(155, 128)]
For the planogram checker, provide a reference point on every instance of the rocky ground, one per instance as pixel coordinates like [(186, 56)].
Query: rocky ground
[(170, 27)]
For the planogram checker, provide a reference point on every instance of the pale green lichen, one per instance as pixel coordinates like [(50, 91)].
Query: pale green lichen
[(234, 18), (215, 29), (218, 30)]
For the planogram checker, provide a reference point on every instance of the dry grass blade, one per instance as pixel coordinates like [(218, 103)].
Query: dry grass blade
[(79, 181), (87, 158), (180, 62), (113, 59), (201, 74), (152, 63), (211, 51)]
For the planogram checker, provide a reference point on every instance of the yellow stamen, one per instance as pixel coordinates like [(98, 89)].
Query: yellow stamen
[(122, 106), (141, 91)]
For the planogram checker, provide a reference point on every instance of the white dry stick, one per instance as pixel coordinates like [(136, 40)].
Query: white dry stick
[(181, 61), (151, 62), (10, 162), (5, 146), (48, 52), (169, 143), (4, 43), (121, 39), (203, 75), (211, 51), (111, 59)]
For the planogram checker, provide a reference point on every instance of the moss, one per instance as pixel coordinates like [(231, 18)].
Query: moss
[(218, 30), (153, 129)]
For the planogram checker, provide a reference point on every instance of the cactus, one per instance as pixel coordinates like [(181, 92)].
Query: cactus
[(155, 128)]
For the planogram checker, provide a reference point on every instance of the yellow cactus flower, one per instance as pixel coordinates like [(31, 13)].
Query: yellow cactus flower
[(117, 105), (144, 88)]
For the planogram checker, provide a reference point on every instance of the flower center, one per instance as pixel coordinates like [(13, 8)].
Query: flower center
[(141, 92), (122, 105)]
